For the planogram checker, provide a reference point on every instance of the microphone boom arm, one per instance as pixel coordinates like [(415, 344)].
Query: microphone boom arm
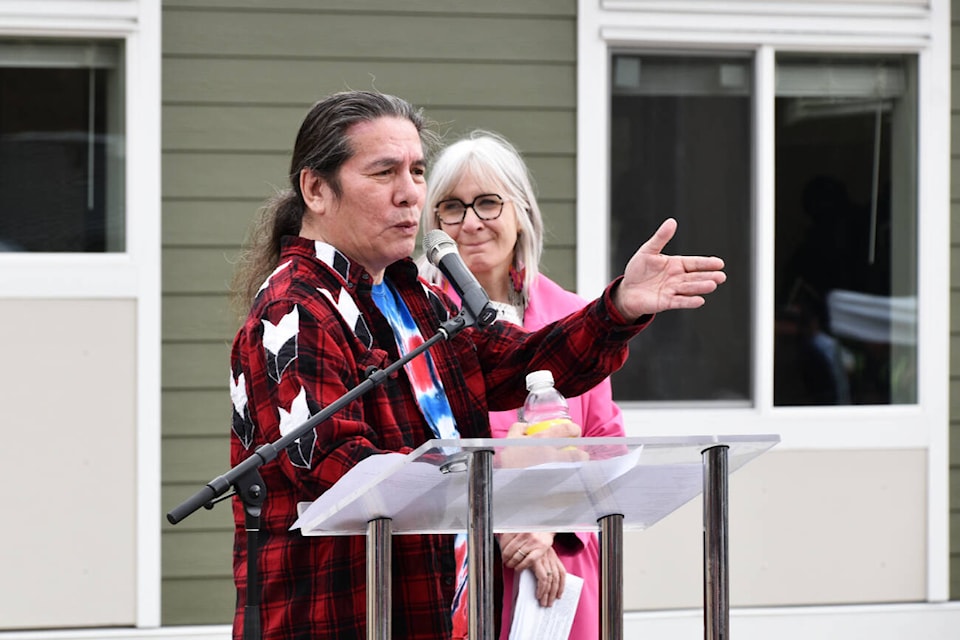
[(207, 496)]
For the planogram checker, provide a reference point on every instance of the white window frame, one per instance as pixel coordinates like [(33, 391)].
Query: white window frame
[(133, 274), (764, 27)]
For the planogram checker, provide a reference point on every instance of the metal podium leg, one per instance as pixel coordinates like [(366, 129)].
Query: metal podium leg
[(379, 602), (480, 544), (611, 577), (716, 584)]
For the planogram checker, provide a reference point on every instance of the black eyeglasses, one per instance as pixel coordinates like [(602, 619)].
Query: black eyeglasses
[(487, 206)]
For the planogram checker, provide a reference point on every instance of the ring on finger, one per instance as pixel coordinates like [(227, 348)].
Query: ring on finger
[(523, 554)]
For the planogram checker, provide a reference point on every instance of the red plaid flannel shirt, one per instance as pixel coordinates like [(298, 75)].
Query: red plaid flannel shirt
[(311, 335)]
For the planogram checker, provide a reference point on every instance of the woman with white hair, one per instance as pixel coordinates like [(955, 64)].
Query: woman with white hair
[(480, 193)]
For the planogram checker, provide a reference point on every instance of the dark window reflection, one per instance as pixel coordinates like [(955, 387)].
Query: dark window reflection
[(59, 187), (845, 232), (681, 147)]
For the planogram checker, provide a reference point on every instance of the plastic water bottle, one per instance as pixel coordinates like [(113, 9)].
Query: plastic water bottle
[(544, 406)]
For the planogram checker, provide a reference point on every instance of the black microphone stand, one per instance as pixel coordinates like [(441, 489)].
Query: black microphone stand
[(248, 484)]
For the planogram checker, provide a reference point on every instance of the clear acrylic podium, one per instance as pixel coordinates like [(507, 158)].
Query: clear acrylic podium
[(486, 486)]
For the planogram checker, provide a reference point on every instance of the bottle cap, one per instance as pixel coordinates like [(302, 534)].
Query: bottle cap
[(537, 378)]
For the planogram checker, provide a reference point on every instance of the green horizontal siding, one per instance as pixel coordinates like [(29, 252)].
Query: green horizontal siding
[(271, 129), (334, 36), (465, 8), (197, 601), (954, 545), (198, 318), (195, 460), (196, 412), (198, 270), (238, 77), (433, 84), (196, 366), (210, 223), (214, 175)]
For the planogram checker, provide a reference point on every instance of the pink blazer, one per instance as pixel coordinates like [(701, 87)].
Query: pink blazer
[(598, 416)]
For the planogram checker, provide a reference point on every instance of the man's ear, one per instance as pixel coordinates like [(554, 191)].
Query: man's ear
[(314, 189)]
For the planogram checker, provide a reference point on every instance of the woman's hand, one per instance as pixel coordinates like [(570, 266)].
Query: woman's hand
[(534, 551)]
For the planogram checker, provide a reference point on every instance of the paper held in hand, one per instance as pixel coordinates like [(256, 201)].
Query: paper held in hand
[(533, 622)]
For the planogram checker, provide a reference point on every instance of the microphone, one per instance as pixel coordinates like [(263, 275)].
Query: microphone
[(442, 253)]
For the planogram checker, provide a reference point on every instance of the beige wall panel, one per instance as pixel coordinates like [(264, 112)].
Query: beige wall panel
[(806, 527), (405, 36), (427, 84), (70, 431)]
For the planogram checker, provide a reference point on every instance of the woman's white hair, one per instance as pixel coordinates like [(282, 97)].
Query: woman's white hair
[(489, 158)]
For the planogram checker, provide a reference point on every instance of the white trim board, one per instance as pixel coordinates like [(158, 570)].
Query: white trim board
[(876, 622)]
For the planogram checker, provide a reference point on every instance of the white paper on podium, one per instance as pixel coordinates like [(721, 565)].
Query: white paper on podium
[(533, 622)]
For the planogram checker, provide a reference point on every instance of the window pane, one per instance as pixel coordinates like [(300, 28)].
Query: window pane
[(61, 147), (681, 147), (846, 258)]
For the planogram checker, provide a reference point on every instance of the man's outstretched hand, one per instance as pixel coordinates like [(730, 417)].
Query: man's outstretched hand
[(654, 282)]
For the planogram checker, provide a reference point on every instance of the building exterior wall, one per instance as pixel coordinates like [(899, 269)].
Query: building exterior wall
[(841, 447), (80, 336), (238, 75)]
